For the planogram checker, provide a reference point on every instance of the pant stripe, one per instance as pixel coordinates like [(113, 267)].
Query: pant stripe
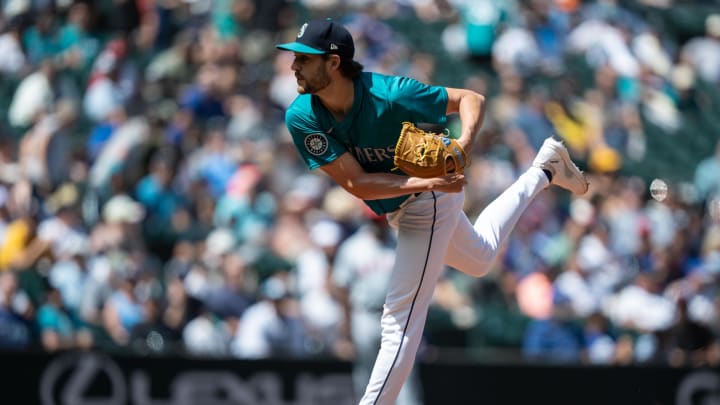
[(412, 305)]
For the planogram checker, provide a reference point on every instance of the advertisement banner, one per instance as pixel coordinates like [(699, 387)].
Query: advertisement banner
[(92, 378)]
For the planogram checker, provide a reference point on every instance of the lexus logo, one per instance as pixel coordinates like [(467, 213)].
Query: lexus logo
[(83, 379), (91, 378)]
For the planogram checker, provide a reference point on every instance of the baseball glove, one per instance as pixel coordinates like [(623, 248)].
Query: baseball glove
[(421, 153)]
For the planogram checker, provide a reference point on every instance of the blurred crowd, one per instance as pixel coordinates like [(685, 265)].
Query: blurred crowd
[(152, 201)]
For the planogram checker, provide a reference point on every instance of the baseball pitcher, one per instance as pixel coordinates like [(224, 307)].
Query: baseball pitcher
[(361, 129)]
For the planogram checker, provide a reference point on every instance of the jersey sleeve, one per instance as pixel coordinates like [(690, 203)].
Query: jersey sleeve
[(316, 147), (424, 103)]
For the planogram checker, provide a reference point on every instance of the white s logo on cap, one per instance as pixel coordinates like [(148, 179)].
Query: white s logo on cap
[(302, 30)]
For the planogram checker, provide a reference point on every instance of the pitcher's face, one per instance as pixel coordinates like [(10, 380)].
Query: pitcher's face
[(311, 72)]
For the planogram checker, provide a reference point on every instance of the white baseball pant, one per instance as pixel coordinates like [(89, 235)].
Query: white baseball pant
[(434, 231)]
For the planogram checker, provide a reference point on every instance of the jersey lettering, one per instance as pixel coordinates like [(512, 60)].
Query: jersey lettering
[(369, 155), (382, 154), (373, 155)]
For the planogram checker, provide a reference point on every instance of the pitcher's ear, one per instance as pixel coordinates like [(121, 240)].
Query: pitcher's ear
[(335, 61)]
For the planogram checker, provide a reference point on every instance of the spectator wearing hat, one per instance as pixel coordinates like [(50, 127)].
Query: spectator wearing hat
[(206, 335), (234, 294), (272, 327), (59, 328), (61, 235)]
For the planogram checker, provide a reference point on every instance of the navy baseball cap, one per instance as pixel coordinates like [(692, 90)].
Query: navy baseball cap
[(319, 37)]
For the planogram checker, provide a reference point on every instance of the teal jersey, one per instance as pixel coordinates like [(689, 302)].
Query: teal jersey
[(371, 129)]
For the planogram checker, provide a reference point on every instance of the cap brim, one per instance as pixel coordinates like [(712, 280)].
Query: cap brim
[(300, 48)]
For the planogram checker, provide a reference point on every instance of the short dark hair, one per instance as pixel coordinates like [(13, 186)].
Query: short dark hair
[(349, 68)]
